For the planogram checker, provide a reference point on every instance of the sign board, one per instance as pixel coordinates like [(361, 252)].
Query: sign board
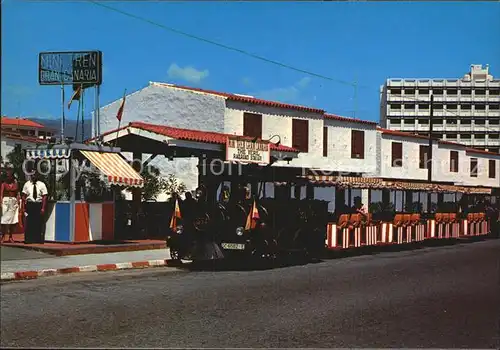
[(66, 68), (247, 151)]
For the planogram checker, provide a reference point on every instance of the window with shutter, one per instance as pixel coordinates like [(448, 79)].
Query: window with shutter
[(325, 141), (300, 135), (252, 125), (492, 169), (397, 154), (357, 144), (473, 167), (424, 157), (454, 161)]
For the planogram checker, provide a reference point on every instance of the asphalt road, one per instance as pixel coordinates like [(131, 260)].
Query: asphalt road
[(13, 253), (445, 297)]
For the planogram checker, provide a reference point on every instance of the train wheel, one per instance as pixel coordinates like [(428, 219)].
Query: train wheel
[(174, 254)]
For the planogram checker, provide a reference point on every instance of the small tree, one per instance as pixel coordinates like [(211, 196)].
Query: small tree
[(173, 185), (153, 183), (16, 160)]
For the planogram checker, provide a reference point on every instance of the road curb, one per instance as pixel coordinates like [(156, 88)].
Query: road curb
[(26, 275)]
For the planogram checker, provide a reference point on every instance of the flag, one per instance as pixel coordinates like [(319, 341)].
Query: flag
[(176, 215), (252, 217), (120, 110), (76, 95)]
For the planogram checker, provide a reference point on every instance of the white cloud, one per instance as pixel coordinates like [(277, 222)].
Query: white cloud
[(189, 74), (284, 94), (303, 83)]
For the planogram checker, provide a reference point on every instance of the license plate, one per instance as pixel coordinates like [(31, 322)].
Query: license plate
[(234, 246)]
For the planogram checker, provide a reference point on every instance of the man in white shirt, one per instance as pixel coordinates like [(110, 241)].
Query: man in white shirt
[(35, 201)]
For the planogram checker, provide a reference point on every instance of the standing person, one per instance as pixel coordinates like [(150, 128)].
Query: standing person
[(35, 201), (9, 199)]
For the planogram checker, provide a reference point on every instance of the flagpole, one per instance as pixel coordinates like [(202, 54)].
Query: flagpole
[(77, 120), (62, 119), (120, 120), (81, 101)]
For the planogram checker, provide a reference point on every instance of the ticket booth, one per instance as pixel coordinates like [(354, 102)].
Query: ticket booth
[(72, 216)]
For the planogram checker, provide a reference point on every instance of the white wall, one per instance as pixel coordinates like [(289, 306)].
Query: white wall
[(278, 121), (410, 167), (441, 165), (339, 147), (482, 178), (164, 105)]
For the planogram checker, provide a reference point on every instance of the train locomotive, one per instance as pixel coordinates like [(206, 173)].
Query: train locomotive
[(245, 227)]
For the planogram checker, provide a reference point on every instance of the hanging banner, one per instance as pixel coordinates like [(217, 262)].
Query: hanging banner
[(70, 68), (248, 151)]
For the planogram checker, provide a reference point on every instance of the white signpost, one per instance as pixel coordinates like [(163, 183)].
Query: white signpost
[(247, 151)]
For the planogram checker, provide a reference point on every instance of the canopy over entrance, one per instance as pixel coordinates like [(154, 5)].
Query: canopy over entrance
[(106, 159), (378, 183)]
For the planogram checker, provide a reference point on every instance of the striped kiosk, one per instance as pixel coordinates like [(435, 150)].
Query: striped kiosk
[(81, 221)]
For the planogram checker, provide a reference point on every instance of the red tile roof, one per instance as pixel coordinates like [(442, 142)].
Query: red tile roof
[(193, 135), (402, 134), (480, 151), (24, 138), (247, 99), (347, 119), (452, 143), (20, 122)]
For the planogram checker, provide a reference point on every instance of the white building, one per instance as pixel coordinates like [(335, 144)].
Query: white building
[(466, 110), (25, 127), (23, 132), (327, 142)]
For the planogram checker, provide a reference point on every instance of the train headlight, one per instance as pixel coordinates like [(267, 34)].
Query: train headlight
[(239, 231), (179, 229)]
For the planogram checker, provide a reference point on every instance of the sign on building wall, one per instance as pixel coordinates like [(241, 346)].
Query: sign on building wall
[(245, 151), (65, 68)]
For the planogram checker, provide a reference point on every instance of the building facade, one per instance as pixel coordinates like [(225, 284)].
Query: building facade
[(23, 132), (327, 142), (466, 110), (25, 127)]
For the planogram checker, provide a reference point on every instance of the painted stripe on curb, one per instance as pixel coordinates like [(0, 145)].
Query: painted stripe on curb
[(88, 268), (23, 275)]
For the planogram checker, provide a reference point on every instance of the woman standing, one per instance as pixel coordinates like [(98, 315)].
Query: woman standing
[(9, 199)]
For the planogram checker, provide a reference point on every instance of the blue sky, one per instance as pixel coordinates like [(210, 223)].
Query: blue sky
[(368, 42)]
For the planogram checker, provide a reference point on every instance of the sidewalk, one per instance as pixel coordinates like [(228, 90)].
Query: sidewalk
[(63, 249), (34, 268)]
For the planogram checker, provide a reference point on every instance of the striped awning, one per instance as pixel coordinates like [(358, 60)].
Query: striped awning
[(116, 169), (48, 153), (426, 187), (346, 181)]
